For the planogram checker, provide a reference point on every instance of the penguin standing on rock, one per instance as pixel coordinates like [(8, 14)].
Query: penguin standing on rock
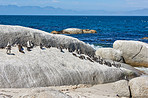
[(118, 65), (78, 51), (8, 48), (82, 57), (90, 59), (20, 48), (29, 45), (95, 58), (113, 64), (61, 48), (74, 54), (49, 46), (41, 46), (108, 64), (101, 61), (69, 49)]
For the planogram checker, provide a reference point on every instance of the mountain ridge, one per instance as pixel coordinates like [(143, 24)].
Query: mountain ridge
[(49, 10)]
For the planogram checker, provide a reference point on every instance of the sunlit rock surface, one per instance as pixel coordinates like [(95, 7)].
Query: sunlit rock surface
[(110, 53), (32, 93), (139, 87), (135, 53), (50, 67)]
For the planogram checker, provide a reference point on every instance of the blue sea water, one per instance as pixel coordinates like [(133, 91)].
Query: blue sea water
[(109, 28)]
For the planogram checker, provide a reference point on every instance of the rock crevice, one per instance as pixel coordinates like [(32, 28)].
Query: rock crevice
[(137, 53)]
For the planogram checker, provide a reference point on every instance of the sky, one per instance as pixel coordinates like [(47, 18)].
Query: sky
[(109, 5)]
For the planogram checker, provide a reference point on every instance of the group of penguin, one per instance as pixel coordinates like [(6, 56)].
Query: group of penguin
[(94, 58)]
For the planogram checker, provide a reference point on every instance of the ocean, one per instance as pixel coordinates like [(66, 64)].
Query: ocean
[(109, 28)]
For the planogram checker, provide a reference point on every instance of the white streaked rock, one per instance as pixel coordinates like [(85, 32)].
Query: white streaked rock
[(135, 53), (50, 67)]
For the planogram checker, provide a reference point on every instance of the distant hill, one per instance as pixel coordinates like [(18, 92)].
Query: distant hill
[(139, 12), (48, 10), (31, 10)]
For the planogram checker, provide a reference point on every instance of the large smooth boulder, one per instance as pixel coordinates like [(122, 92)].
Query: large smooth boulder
[(110, 53), (108, 90), (20, 35), (72, 31), (51, 67), (139, 87), (121, 88), (135, 53)]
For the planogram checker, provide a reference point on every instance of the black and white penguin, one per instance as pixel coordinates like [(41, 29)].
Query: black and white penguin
[(108, 64), (8, 48), (74, 54), (82, 57), (61, 48), (89, 59)]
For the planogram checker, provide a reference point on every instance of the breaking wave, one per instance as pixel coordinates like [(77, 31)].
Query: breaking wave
[(95, 47)]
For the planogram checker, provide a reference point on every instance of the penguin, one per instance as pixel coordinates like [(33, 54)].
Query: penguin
[(61, 48), (101, 61), (49, 46), (8, 48), (29, 45), (20, 48), (95, 58), (113, 64), (108, 64), (118, 65), (69, 49), (126, 78), (41, 46), (78, 51), (89, 59), (82, 57), (74, 54)]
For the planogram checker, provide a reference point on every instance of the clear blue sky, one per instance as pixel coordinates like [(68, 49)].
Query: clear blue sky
[(110, 5)]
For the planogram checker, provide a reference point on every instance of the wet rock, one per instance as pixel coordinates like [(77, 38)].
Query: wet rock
[(139, 87), (145, 38), (134, 53), (89, 31), (55, 32), (72, 31)]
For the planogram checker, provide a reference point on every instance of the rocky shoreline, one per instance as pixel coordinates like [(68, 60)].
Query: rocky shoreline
[(57, 61), (134, 53), (135, 88)]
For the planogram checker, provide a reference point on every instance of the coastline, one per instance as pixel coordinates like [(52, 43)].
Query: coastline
[(56, 66)]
